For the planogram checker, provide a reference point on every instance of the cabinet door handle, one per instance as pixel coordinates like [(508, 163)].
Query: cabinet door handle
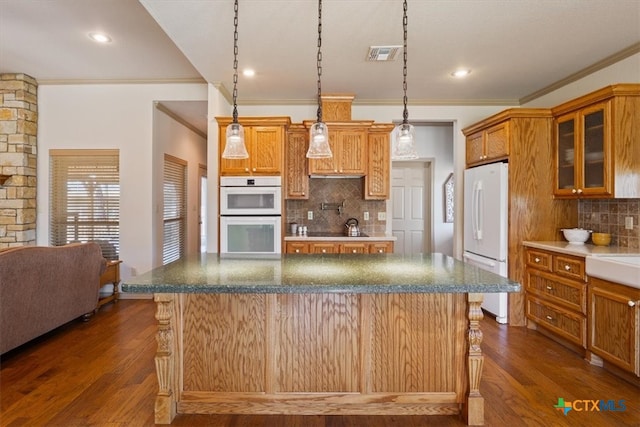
[(567, 267), (579, 190), (324, 251), (354, 251), (254, 169), (631, 303), (380, 251), (549, 317), (549, 288), (297, 250), (537, 260), (246, 169), (574, 191)]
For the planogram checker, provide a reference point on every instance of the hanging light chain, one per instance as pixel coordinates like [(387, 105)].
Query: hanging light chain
[(235, 63), (319, 60), (405, 113)]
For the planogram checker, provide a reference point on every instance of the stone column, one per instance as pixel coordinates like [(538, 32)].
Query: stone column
[(18, 140)]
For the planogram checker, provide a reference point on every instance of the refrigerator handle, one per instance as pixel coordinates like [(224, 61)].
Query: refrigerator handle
[(478, 210), (474, 210)]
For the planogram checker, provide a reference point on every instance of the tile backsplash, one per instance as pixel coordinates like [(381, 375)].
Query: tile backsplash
[(335, 191), (608, 216)]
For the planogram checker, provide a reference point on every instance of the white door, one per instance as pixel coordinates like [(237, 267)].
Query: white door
[(410, 207)]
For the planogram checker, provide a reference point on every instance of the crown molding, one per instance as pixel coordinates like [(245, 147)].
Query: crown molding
[(609, 60)]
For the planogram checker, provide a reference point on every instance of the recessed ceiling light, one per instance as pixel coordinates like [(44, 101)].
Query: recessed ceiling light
[(461, 73), (248, 72), (100, 37)]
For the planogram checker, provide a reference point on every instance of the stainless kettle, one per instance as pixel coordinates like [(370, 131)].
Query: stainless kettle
[(352, 227)]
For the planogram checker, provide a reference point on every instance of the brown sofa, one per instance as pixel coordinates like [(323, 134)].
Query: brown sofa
[(42, 288)]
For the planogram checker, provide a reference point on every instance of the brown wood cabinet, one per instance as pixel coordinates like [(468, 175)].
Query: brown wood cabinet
[(556, 294), (533, 213), (296, 174), (614, 323), (377, 181), (264, 139), (488, 145), (595, 144), (348, 146), (335, 247)]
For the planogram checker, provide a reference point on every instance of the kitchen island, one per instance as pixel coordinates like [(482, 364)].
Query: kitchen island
[(319, 334)]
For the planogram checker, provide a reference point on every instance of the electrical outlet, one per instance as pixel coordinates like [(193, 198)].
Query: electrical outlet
[(382, 216), (310, 215), (366, 216), (628, 223)]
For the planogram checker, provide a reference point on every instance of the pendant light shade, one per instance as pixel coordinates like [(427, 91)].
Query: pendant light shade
[(319, 142), (319, 134), (404, 147), (234, 147)]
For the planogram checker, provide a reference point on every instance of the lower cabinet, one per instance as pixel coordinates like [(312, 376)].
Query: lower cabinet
[(556, 294), (335, 247), (588, 314), (614, 323)]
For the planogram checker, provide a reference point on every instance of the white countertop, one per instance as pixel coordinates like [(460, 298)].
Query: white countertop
[(340, 238), (582, 250)]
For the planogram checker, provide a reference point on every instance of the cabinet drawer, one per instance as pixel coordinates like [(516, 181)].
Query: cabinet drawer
[(297, 248), (324, 248), (571, 326), (568, 266), (538, 259), (381, 248), (355, 248), (564, 292)]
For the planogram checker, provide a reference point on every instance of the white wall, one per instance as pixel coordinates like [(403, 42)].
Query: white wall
[(118, 116), (175, 139)]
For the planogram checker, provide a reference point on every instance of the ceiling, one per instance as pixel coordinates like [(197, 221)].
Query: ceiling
[(516, 50)]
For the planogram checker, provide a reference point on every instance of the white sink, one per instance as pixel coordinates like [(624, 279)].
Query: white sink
[(624, 269)]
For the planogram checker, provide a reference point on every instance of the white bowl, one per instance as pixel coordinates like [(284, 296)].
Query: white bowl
[(576, 235)]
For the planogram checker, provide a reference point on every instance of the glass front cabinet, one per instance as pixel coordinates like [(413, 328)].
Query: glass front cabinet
[(583, 152)]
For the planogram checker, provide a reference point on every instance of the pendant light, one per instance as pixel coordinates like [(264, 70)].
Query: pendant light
[(234, 147), (404, 143), (319, 134)]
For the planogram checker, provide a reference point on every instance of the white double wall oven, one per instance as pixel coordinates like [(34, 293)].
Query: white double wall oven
[(250, 215)]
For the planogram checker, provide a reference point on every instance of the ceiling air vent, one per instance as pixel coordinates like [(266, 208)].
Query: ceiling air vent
[(383, 53)]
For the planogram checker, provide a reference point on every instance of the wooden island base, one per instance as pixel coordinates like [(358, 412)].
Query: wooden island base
[(319, 353)]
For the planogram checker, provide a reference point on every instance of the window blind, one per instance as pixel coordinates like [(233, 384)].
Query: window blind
[(85, 199), (175, 208)]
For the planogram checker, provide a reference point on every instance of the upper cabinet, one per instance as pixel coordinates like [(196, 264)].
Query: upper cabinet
[(377, 181), (348, 142), (488, 145), (596, 144), (296, 175), (264, 139)]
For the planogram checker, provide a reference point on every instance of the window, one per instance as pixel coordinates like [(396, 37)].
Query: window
[(85, 199), (175, 208)]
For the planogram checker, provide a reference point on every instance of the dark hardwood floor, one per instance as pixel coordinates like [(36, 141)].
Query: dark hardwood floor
[(101, 373)]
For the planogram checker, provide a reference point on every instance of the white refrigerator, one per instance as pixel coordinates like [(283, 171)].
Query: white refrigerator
[(485, 227)]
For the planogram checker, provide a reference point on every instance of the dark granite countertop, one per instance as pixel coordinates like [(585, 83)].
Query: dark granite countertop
[(302, 273)]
